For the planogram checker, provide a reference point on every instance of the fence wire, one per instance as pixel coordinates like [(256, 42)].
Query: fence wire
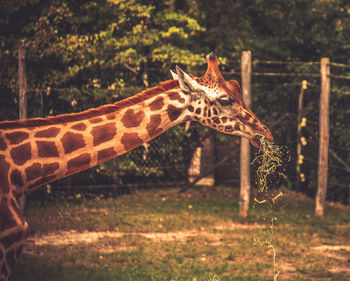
[(162, 161), (167, 158)]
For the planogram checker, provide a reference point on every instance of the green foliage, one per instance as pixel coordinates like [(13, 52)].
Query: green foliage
[(111, 41), (83, 55), (98, 52), (303, 30)]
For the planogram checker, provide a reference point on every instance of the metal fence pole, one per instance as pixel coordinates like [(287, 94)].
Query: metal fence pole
[(22, 77), (299, 161)]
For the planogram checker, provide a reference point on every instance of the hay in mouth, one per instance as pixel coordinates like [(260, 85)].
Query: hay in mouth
[(268, 160)]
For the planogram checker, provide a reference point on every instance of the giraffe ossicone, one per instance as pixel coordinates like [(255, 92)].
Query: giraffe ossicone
[(37, 151)]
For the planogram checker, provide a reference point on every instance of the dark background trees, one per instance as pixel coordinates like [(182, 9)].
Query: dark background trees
[(82, 54)]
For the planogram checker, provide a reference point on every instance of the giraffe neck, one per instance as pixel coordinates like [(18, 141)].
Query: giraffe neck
[(38, 155)]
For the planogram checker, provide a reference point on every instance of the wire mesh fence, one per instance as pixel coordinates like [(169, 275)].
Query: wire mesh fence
[(165, 160)]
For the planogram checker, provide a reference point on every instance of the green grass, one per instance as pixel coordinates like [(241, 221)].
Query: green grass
[(221, 246)]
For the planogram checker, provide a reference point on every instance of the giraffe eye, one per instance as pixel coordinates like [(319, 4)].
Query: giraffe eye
[(225, 101)]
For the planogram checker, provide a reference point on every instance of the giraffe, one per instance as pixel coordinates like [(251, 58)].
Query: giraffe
[(37, 151)]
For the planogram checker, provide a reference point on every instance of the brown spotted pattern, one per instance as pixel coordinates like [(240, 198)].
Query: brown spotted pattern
[(33, 172), (4, 168), (7, 220), (21, 154), (47, 133), (103, 133), (55, 147), (72, 141), (95, 120), (176, 96), (12, 220), (17, 137), (111, 116), (51, 144), (173, 112), (78, 163), (47, 149), (131, 140), (152, 127), (79, 127), (50, 168), (104, 154), (132, 119), (16, 178), (3, 145), (157, 104)]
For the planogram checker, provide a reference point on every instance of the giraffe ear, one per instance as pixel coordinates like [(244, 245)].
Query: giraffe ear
[(187, 84), (175, 77)]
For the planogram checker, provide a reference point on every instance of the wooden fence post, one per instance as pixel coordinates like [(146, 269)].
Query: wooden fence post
[(323, 137), (22, 77), (246, 70)]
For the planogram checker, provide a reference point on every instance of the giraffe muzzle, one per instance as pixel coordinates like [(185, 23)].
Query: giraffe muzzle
[(265, 132)]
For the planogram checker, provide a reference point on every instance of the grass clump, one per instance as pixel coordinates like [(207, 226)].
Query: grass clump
[(269, 160)]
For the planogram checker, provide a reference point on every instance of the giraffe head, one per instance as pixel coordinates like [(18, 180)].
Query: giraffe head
[(218, 104)]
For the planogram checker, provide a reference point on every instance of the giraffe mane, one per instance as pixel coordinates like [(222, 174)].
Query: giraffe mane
[(93, 112)]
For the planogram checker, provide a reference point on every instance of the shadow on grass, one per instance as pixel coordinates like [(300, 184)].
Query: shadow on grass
[(31, 268)]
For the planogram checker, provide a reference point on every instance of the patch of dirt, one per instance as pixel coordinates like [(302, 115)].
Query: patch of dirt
[(339, 252), (232, 226), (170, 236), (287, 270), (339, 269), (323, 248), (72, 237)]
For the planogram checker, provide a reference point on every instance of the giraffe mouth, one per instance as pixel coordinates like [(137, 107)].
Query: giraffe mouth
[(255, 141)]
